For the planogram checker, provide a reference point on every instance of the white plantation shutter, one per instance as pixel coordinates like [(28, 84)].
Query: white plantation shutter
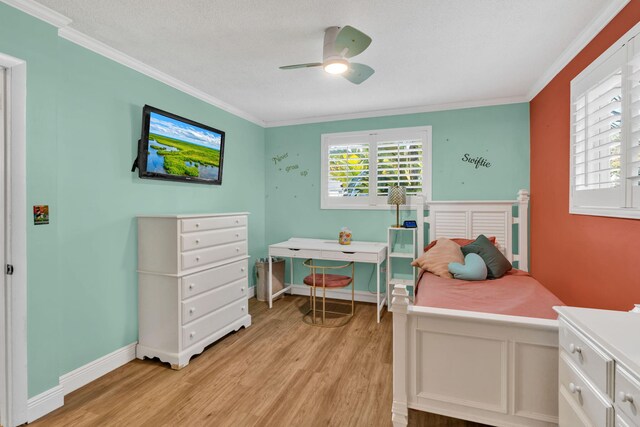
[(400, 163), (348, 170), (605, 133), (633, 145), (359, 167), (597, 150)]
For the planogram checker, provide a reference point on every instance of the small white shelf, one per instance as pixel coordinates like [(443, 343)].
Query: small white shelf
[(406, 282), (401, 255), (405, 250)]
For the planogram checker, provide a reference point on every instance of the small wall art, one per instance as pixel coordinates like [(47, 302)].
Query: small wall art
[(40, 214)]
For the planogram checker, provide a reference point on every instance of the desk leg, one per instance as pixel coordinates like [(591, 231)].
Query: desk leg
[(378, 290), (270, 283), (291, 282)]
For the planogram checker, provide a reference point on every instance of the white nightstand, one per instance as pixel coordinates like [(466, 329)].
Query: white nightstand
[(401, 243)]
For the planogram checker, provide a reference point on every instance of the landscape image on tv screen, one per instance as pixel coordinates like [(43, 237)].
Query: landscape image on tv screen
[(181, 149)]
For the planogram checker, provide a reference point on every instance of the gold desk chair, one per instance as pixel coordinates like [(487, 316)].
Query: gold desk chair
[(320, 278)]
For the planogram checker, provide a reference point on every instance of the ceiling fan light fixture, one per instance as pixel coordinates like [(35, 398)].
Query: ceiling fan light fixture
[(336, 66)]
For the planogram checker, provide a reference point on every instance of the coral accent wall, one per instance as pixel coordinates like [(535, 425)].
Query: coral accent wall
[(585, 260)]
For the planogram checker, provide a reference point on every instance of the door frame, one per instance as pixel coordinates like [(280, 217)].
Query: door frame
[(14, 411)]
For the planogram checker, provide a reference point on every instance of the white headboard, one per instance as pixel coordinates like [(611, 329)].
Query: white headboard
[(468, 219)]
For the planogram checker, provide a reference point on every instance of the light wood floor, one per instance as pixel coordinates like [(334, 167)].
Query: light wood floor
[(278, 372)]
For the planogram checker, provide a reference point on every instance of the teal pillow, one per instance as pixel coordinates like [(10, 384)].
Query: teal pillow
[(474, 268), (497, 264)]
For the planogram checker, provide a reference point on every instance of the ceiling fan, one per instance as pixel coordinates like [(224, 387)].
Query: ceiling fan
[(339, 45)]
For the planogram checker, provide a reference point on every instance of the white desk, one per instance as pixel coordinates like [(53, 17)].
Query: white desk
[(331, 250)]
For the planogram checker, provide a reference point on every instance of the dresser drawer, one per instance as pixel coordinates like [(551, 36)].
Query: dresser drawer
[(198, 283), (203, 304), (569, 412), (627, 396), (200, 329), (199, 224), (623, 421), (202, 257), (593, 362), (594, 404), (199, 240)]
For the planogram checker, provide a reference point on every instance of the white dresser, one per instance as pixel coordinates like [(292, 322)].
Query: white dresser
[(192, 283), (599, 368)]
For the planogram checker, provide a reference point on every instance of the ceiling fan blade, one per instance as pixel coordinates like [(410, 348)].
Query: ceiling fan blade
[(293, 67), (355, 41), (357, 73)]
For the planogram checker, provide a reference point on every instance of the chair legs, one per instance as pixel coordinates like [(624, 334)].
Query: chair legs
[(318, 317)]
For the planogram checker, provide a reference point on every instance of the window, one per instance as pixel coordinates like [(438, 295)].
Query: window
[(605, 133), (359, 167)]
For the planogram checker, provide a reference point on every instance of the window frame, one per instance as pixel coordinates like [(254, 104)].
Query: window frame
[(372, 138), (627, 42)]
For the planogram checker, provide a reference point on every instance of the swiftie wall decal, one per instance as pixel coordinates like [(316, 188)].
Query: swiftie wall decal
[(478, 161)]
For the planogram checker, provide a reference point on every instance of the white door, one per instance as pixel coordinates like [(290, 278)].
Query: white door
[(3, 248)]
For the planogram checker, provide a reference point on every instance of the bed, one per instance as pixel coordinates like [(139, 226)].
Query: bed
[(486, 357)]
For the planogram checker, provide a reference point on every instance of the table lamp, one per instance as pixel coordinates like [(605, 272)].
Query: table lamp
[(397, 196)]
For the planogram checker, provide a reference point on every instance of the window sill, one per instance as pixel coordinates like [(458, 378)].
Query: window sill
[(384, 207), (628, 213)]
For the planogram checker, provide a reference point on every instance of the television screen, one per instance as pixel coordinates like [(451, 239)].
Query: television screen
[(176, 148)]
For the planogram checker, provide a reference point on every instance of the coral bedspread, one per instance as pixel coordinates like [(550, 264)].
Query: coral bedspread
[(515, 294)]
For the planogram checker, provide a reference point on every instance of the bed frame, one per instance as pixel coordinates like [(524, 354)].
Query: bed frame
[(489, 368)]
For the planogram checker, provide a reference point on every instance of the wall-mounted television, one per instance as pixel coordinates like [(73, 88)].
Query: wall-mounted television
[(179, 149)]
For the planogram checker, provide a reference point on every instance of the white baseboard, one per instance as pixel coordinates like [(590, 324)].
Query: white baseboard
[(52, 399), (252, 292), (93, 370), (342, 294), (44, 403)]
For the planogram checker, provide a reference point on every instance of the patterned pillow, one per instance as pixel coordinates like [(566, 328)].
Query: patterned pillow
[(438, 258)]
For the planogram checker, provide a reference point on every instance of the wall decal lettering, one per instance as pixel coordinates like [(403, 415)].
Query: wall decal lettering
[(279, 158), (290, 168), (304, 173), (478, 161)]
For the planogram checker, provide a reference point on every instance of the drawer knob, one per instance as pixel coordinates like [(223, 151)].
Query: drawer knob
[(192, 334), (197, 241), (625, 397), (242, 269), (242, 308), (191, 286), (574, 348), (237, 235), (197, 258), (237, 249), (237, 221), (574, 388), (242, 289), (192, 310), (197, 225)]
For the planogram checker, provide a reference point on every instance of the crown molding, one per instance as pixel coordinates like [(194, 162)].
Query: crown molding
[(39, 11), (100, 48), (398, 111), (589, 33), (62, 23)]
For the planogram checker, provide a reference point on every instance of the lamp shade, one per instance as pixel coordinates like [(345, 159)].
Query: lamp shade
[(397, 195)]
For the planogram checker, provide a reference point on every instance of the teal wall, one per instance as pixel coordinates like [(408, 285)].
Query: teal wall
[(83, 117), (499, 134)]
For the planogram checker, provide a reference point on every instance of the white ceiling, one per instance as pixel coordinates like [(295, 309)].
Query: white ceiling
[(425, 52)]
